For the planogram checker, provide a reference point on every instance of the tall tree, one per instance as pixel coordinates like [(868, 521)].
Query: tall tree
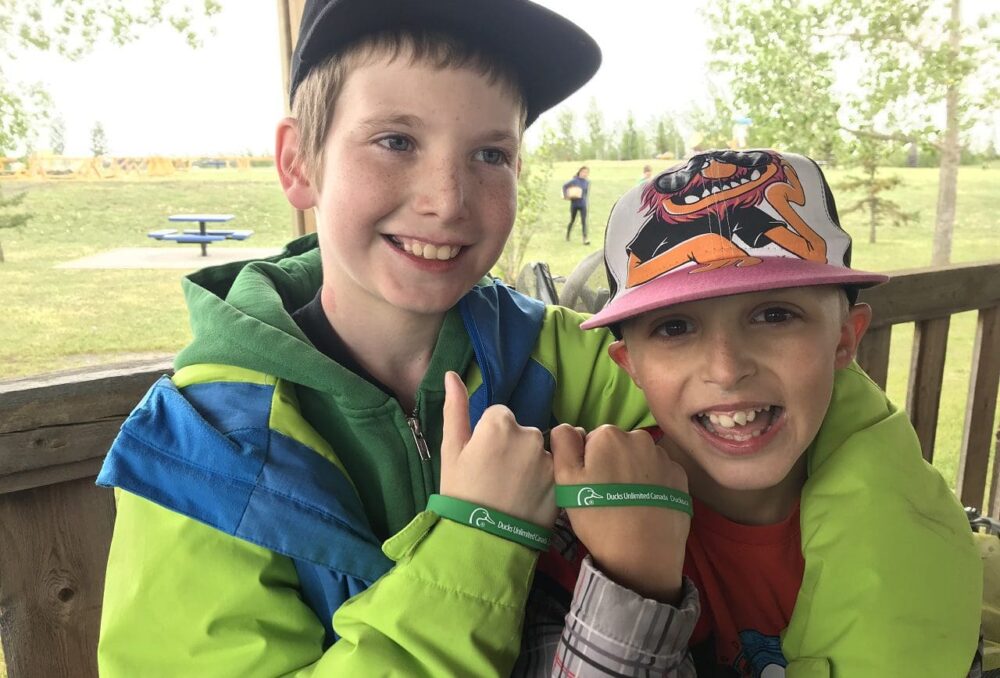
[(596, 144), (668, 137), (916, 58), (532, 197), (631, 146), (71, 28), (57, 136), (565, 146), (98, 140)]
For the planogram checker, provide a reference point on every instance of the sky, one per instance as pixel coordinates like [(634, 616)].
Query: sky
[(159, 97)]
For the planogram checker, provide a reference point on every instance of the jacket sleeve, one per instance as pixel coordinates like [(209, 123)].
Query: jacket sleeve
[(182, 598), (591, 389), (607, 630)]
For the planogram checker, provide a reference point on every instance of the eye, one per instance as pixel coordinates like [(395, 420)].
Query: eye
[(396, 142), (674, 327), (493, 156), (774, 315)]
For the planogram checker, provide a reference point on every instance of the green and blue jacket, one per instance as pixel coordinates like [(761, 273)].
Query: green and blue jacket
[(260, 482)]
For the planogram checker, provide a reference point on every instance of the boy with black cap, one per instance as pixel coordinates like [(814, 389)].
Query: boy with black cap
[(821, 542), (303, 426)]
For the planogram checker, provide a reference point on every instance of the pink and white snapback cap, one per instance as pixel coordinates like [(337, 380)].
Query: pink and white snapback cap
[(721, 223)]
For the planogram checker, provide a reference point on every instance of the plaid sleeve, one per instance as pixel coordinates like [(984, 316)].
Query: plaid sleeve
[(611, 630)]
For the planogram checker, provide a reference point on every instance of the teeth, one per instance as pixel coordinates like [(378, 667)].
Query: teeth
[(705, 194), (744, 180), (755, 175), (429, 251), (715, 189), (690, 199), (740, 418), (751, 415), (726, 421)]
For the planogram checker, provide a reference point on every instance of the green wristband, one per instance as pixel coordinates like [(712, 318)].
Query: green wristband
[(490, 520), (622, 494)]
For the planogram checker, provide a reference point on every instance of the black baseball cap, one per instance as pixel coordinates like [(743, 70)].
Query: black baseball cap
[(552, 56)]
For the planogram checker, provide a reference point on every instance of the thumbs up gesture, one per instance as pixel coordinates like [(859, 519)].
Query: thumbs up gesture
[(501, 464)]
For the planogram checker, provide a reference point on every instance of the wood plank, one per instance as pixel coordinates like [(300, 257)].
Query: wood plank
[(922, 294), (55, 548), (923, 397), (980, 411), (54, 429), (289, 20), (873, 354)]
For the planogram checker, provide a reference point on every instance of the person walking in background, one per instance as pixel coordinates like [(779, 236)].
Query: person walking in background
[(576, 190), (647, 174)]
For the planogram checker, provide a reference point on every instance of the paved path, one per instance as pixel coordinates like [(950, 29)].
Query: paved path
[(168, 257)]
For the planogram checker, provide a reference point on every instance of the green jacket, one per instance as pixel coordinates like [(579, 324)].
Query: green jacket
[(261, 480)]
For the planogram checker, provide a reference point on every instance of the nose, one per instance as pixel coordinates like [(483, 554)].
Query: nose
[(728, 362), (719, 170), (440, 190)]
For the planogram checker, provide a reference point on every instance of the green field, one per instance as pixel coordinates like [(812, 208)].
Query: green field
[(64, 318)]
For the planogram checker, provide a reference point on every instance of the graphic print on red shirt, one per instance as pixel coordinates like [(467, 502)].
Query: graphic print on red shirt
[(748, 577)]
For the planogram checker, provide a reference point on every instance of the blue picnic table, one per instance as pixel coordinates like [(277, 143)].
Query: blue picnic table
[(202, 235)]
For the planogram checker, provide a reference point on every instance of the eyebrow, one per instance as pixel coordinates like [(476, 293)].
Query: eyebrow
[(391, 119), (498, 136)]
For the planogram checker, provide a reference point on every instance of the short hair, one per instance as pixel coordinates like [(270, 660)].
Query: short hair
[(316, 96), (647, 168)]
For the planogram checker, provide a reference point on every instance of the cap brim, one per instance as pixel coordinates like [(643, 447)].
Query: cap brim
[(552, 56), (688, 284)]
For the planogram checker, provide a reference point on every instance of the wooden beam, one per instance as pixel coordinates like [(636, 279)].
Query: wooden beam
[(980, 411), (55, 551), (930, 343), (289, 18), (59, 427), (873, 354), (923, 294)]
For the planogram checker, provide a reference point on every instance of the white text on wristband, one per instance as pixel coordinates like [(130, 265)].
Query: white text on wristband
[(622, 494), (490, 520)]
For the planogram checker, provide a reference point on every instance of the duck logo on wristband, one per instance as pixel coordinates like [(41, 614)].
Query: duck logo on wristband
[(481, 517), (587, 495)]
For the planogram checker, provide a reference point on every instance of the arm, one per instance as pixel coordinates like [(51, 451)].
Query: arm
[(611, 630), (182, 598)]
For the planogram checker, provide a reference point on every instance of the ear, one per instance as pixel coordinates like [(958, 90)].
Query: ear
[(852, 330), (619, 353), (291, 170)]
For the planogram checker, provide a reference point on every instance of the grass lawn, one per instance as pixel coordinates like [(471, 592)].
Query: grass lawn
[(64, 318)]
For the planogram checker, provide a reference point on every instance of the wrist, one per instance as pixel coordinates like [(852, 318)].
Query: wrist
[(663, 584)]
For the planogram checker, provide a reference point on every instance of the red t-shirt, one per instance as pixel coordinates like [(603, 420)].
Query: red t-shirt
[(748, 577)]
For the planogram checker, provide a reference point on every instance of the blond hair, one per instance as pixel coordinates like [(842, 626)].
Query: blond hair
[(316, 95)]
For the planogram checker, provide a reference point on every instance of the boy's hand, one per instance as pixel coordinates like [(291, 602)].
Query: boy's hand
[(502, 465), (640, 547)]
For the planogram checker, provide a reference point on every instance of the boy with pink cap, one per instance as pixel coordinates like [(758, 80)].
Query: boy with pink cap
[(821, 543)]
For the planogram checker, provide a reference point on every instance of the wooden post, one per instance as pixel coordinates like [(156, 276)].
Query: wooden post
[(55, 523), (289, 17)]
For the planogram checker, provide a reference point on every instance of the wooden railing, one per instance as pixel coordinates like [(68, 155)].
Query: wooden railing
[(55, 524)]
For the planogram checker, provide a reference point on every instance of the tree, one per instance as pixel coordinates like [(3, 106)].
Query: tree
[(668, 137), (98, 140), (596, 146), (564, 147), (917, 62), (532, 196), (631, 146), (57, 136), (880, 209), (713, 126), (71, 28)]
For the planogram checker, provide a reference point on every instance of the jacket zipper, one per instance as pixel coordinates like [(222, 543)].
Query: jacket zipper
[(418, 437)]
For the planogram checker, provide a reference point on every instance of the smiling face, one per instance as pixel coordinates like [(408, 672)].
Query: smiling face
[(419, 186), (741, 385)]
